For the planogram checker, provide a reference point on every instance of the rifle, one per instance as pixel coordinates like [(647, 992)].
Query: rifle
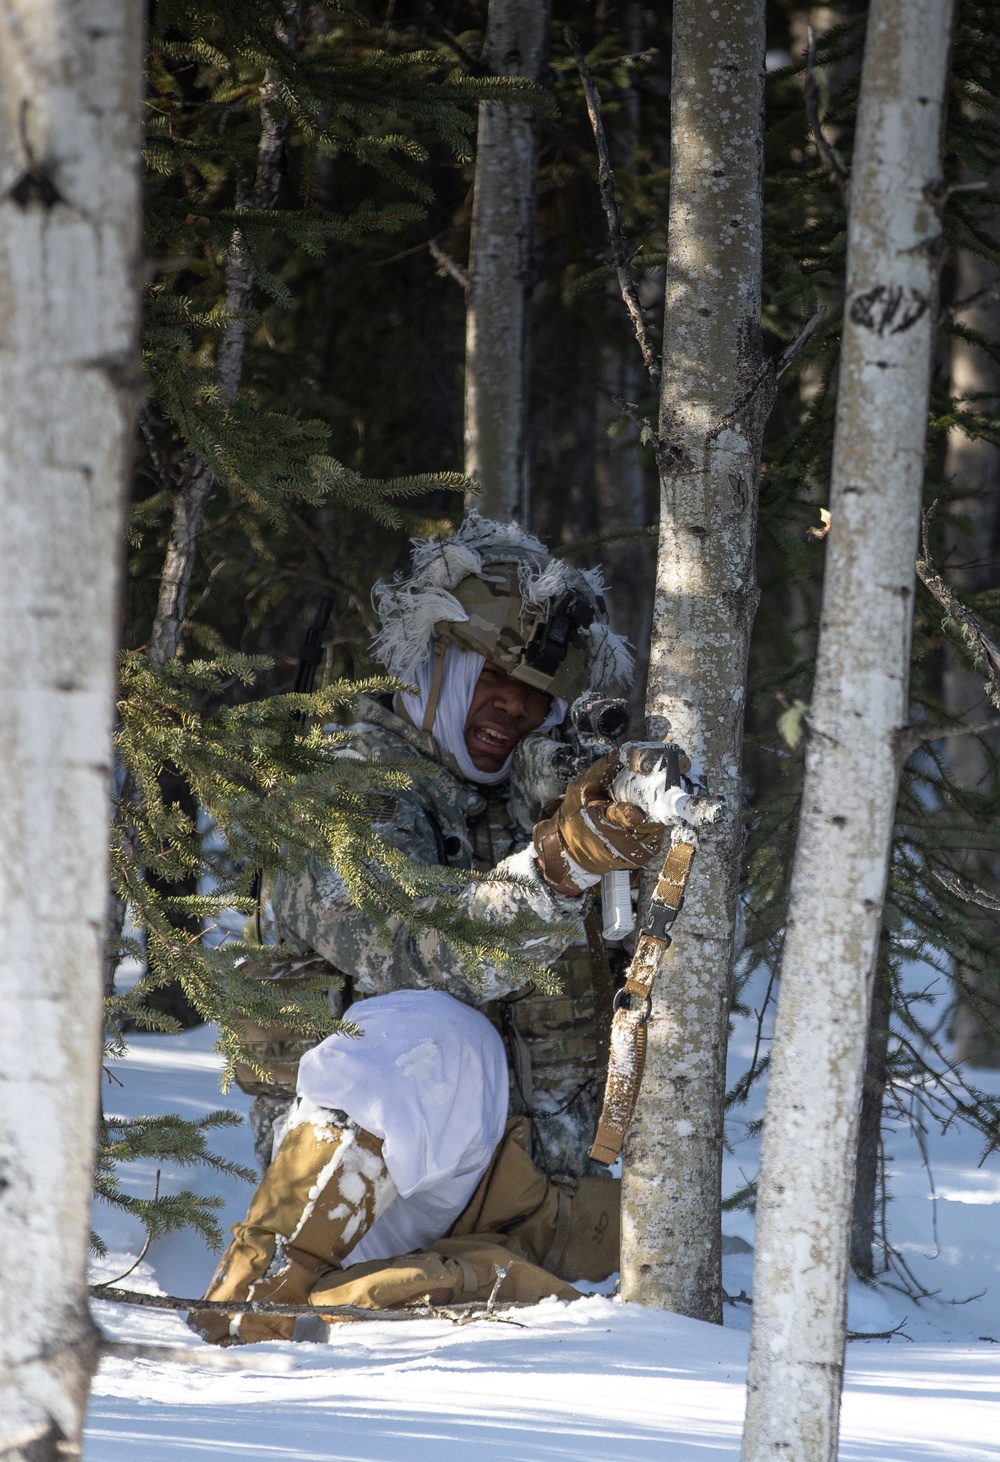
[(311, 654), (649, 776)]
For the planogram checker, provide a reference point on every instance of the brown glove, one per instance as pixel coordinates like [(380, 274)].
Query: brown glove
[(598, 834)]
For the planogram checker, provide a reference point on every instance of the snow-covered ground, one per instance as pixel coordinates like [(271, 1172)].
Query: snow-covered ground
[(594, 1379)]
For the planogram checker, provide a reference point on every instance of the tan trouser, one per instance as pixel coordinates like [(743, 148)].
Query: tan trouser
[(325, 1188)]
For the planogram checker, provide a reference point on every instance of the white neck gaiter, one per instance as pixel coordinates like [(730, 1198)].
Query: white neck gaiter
[(461, 672)]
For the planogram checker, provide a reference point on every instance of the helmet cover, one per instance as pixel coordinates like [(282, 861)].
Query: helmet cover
[(495, 589)]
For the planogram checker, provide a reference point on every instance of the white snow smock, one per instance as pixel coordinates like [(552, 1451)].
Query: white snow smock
[(428, 1076)]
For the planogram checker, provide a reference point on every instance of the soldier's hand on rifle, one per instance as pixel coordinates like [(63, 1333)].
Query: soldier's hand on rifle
[(654, 778), (591, 833)]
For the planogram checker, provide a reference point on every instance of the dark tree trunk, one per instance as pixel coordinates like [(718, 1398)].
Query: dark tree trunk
[(868, 1165)]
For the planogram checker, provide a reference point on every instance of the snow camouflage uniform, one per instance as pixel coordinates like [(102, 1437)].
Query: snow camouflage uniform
[(331, 1190), (552, 1041)]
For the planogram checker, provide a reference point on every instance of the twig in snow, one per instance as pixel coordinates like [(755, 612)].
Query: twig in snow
[(827, 155), (145, 1248), (446, 264), (619, 249), (881, 1334), (737, 1299), (502, 1270)]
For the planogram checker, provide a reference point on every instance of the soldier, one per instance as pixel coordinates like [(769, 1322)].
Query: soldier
[(389, 1136)]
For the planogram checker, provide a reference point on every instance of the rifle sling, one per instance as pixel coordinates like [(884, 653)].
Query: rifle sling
[(627, 1049)]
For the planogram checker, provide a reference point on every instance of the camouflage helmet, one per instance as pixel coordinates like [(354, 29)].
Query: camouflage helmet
[(495, 589)]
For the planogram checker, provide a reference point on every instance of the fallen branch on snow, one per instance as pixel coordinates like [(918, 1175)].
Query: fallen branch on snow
[(459, 1314)]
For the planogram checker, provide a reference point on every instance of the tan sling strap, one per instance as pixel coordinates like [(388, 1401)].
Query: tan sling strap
[(434, 694), (627, 1056)]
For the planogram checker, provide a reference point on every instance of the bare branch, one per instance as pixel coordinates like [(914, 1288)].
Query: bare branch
[(635, 416), (634, 57), (798, 342), (446, 264), (913, 736), (457, 1314), (981, 645), (978, 296), (430, 18), (970, 895), (827, 155), (619, 250), (663, 451)]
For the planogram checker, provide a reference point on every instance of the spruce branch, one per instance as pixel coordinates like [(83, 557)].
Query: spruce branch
[(619, 249)]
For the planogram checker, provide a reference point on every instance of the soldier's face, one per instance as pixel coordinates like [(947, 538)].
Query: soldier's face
[(502, 711)]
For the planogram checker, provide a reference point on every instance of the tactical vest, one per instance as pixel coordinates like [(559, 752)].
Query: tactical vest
[(554, 1052)]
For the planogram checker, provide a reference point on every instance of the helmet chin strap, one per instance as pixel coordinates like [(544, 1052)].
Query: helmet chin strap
[(434, 694)]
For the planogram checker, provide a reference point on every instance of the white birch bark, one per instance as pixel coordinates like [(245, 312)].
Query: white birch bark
[(69, 377), (859, 707), (498, 297), (706, 594)]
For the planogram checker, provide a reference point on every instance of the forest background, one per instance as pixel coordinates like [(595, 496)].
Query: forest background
[(309, 196)]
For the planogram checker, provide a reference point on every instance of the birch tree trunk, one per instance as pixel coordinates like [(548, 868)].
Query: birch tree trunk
[(498, 297), (859, 707), (706, 595), (69, 379)]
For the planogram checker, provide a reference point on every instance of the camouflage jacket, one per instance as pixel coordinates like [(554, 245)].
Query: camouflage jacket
[(552, 1041), (440, 817)]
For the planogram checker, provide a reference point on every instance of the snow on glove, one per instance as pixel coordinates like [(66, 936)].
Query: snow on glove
[(591, 834)]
